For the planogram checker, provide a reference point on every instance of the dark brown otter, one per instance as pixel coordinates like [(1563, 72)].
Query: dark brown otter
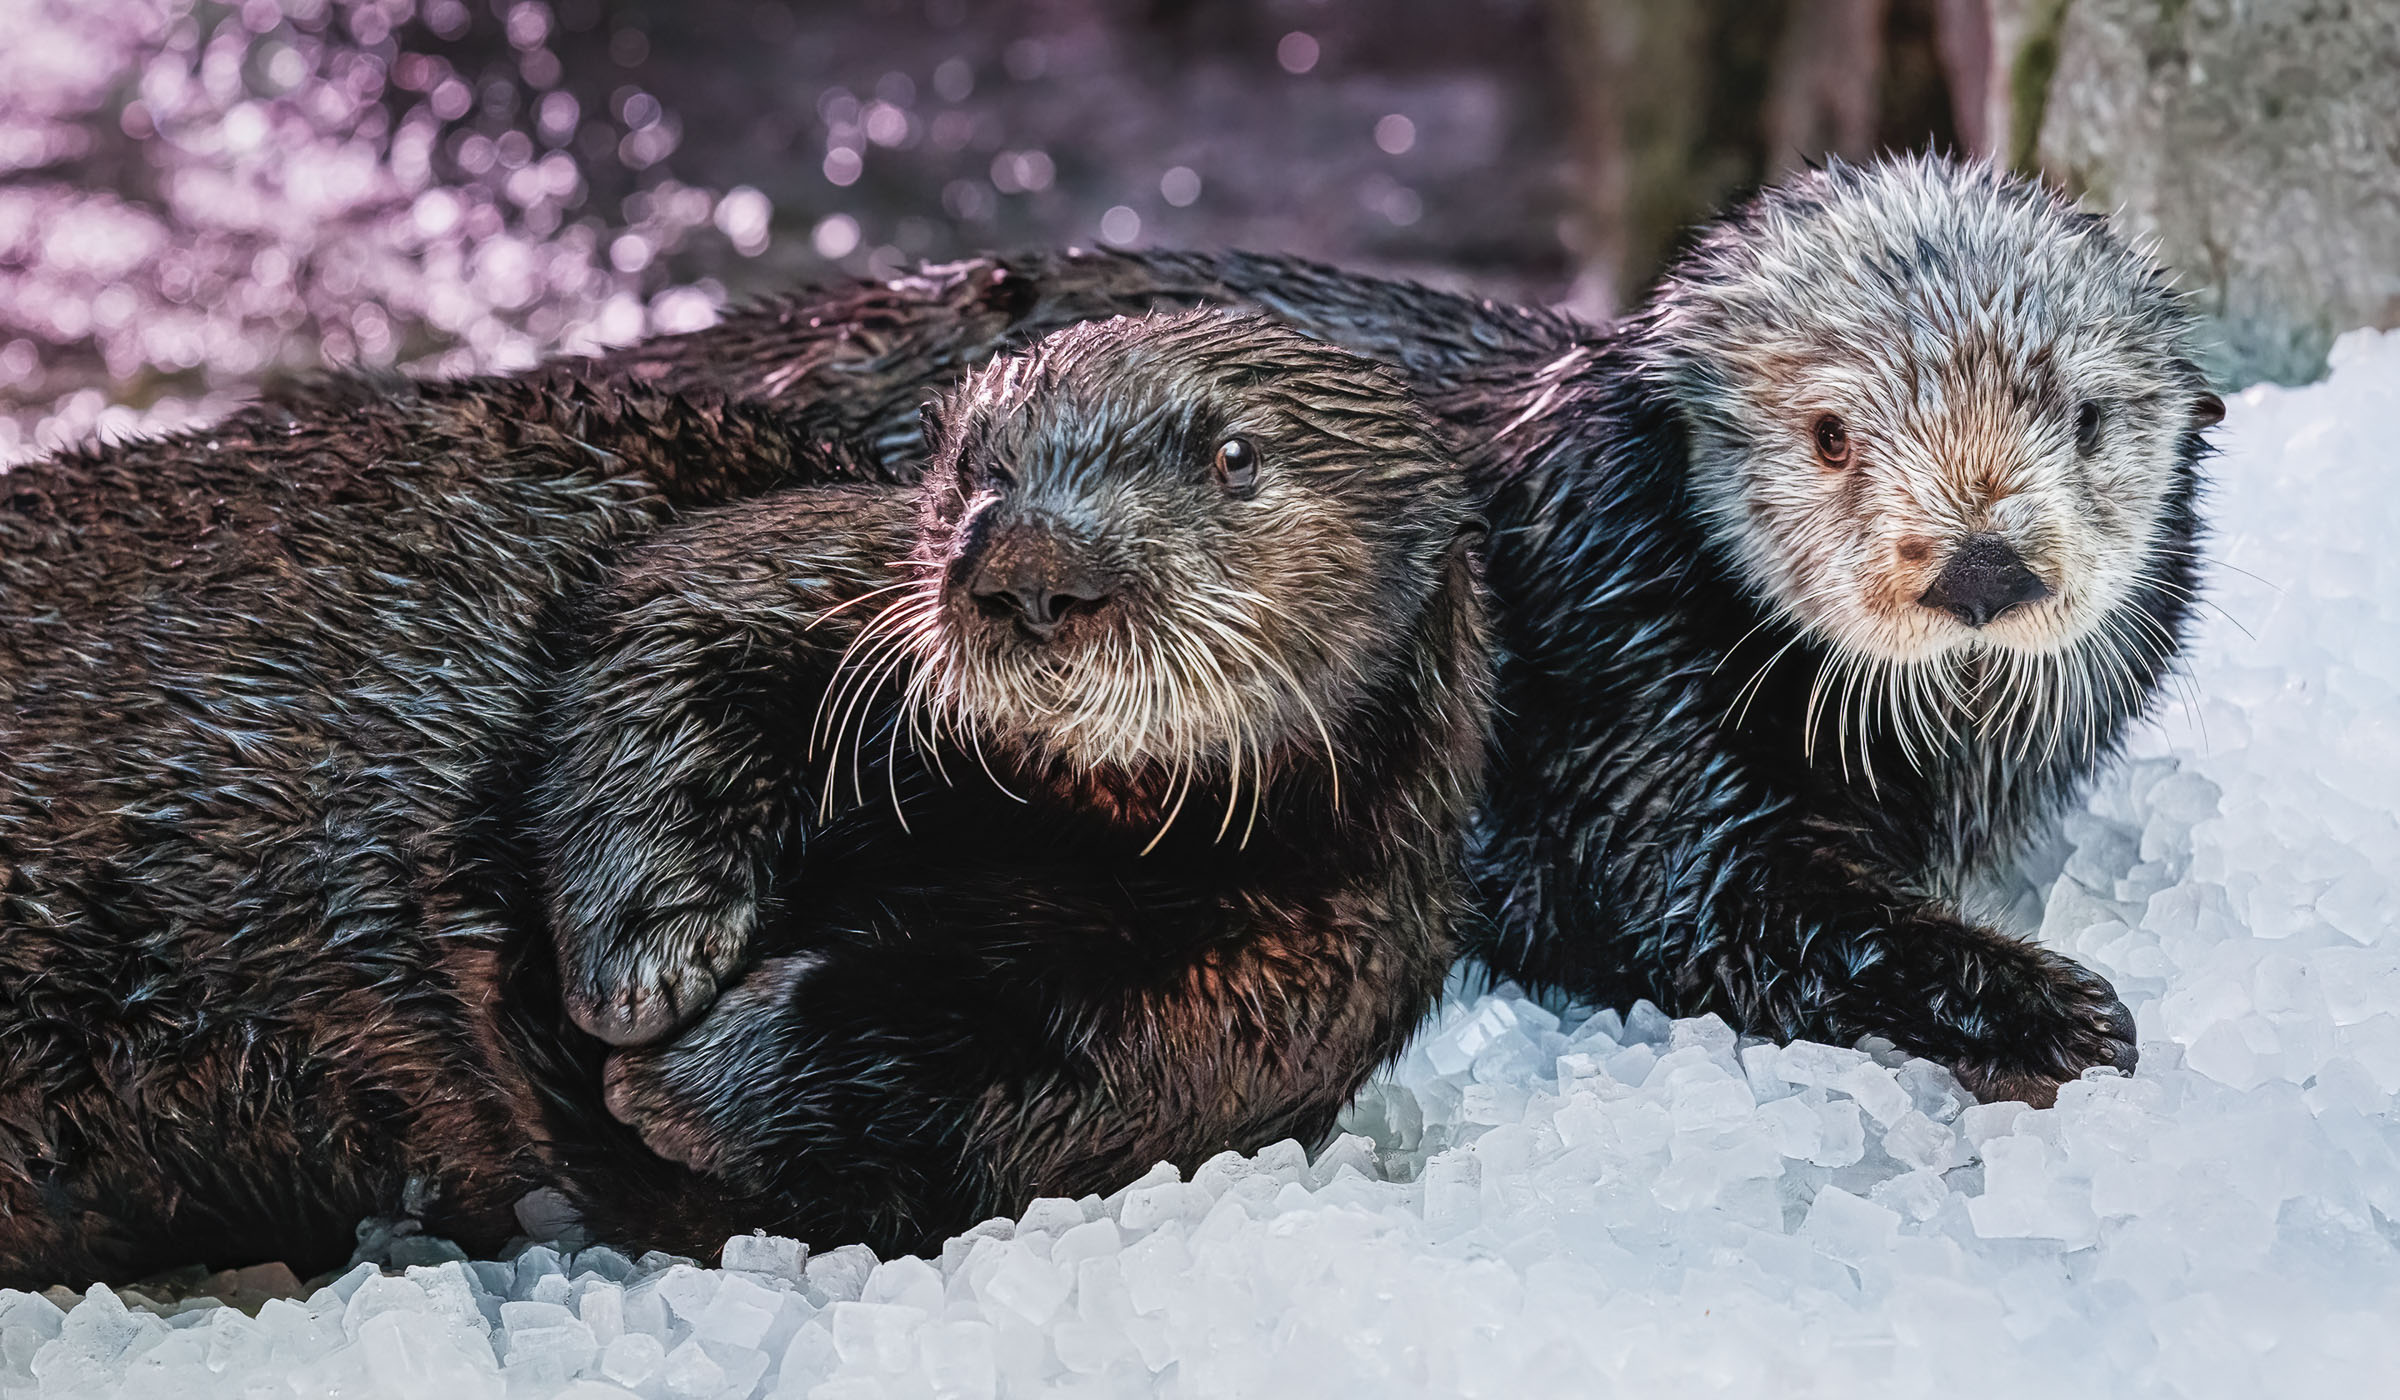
[(275, 700), (268, 694), (1097, 803)]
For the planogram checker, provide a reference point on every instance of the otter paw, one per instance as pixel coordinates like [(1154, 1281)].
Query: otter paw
[(2043, 1023), (692, 1098), (638, 1087), (654, 1003), (639, 988)]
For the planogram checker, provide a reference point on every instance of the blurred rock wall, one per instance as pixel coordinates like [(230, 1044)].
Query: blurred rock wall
[(2257, 142)]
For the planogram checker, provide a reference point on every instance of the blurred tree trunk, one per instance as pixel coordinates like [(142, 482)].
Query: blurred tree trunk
[(1684, 104)]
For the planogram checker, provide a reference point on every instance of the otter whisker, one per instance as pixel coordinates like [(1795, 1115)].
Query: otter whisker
[(1808, 714), (863, 678), (841, 664), (862, 710), (1258, 794), (833, 715), (847, 603), (2203, 600), (1333, 764), (1179, 782), (1757, 682)]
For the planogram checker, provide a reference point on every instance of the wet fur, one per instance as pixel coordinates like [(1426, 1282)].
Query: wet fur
[(1664, 819), (267, 694)]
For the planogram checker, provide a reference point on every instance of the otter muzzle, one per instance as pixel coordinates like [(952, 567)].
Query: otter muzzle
[(1984, 579), (1039, 579)]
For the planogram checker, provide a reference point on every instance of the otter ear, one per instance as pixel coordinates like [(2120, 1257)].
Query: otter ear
[(2208, 410)]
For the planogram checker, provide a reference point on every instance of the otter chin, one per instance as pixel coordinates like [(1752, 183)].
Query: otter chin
[(1938, 421)]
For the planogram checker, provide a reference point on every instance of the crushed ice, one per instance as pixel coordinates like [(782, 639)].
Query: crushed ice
[(1530, 1205)]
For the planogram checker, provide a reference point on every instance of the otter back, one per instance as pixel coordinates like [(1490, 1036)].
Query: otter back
[(262, 691)]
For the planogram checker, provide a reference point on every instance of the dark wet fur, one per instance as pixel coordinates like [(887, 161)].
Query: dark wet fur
[(266, 704), (1634, 843)]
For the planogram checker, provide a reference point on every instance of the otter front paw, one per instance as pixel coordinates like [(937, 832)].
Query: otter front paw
[(686, 1097), (2039, 1020), (636, 986)]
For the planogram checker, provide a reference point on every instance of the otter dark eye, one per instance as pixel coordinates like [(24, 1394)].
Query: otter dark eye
[(2087, 428), (1237, 465), (1833, 441)]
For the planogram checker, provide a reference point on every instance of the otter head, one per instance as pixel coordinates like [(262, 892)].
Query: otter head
[(1174, 549), (1934, 414)]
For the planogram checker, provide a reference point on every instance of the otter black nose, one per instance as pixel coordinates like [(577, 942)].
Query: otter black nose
[(1038, 580), (1984, 579)]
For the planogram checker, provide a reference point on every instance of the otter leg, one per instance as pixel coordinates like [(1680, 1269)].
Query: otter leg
[(2010, 1019), (676, 777), (657, 853), (1713, 898)]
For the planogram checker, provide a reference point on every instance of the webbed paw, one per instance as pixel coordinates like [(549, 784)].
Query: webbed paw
[(2044, 1019), (638, 988), (687, 1097)]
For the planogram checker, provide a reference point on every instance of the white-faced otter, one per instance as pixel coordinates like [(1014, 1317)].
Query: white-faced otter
[(1821, 582), (1146, 731), (1099, 802)]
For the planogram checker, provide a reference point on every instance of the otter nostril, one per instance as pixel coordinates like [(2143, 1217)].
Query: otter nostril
[(1039, 593), (1984, 579), (1078, 596), (999, 603)]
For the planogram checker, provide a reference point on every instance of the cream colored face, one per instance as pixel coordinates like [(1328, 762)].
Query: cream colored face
[(1932, 411), (1988, 504)]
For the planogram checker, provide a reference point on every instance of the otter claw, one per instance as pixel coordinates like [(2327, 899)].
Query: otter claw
[(2098, 1031), (648, 1008)]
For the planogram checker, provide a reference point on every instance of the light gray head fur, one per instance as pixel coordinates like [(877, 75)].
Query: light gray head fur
[(1999, 364)]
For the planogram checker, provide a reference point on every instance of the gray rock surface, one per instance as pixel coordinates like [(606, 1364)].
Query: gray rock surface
[(2257, 141)]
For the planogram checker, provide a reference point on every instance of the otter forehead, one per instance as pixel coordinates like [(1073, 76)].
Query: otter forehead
[(1929, 238), (1128, 392), (1917, 276)]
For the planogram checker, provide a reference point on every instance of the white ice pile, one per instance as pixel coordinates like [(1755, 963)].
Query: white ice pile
[(1531, 1206)]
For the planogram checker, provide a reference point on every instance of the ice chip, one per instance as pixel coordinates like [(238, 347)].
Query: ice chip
[(907, 1280), (1876, 1089), (880, 1335), (1453, 1191), (958, 1361), (1847, 1228), (741, 1313), (1914, 1140), (1030, 1286), (840, 1275), (762, 1253), (690, 1373), (1647, 1024)]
